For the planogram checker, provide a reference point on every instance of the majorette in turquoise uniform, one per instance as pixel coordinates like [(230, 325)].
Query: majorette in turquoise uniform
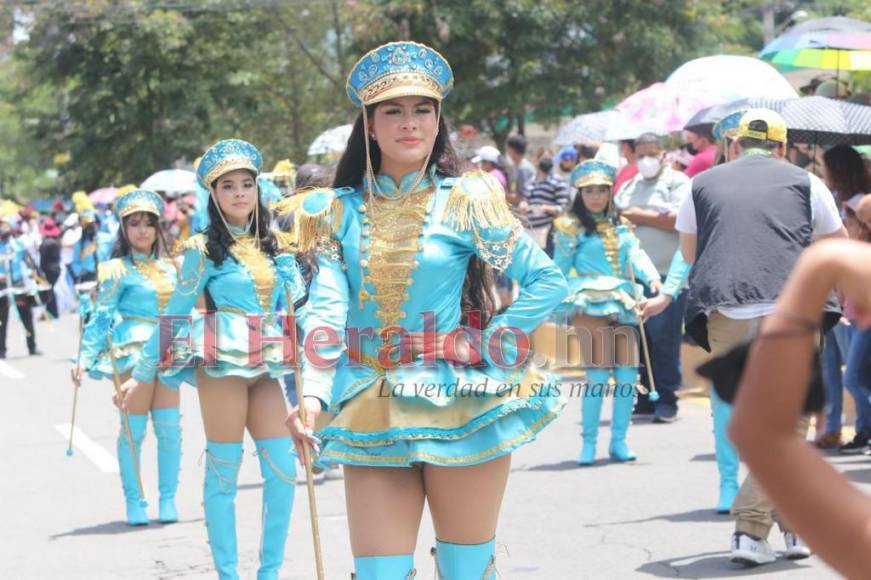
[(604, 252), (394, 253), (133, 289), (246, 271)]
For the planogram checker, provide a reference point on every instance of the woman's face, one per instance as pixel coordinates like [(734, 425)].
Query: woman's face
[(236, 193), (141, 231), (596, 197), (405, 130)]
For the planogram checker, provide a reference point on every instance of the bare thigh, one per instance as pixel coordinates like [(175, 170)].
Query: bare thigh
[(224, 407), (267, 409), (140, 402), (465, 501), (385, 505), (164, 397)]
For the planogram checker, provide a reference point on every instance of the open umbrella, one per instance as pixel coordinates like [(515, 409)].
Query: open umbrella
[(591, 127), (332, 141), (838, 43), (710, 116), (726, 77), (172, 180), (103, 196), (824, 121), (660, 108)]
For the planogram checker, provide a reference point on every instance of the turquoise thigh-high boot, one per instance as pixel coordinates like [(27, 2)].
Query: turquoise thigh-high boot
[(624, 399), (167, 429), (465, 561), (128, 465), (591, 412), (278, 468), (727, 455), (399, 567), (219, 495)]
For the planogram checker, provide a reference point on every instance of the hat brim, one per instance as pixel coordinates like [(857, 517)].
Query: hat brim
[(227, 165), (593, 180), (403, 91)]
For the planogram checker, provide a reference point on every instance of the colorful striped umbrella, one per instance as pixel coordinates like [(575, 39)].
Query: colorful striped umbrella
[(838, 43)]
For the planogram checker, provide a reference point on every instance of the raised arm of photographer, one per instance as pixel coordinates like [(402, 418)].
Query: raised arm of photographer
[(822, 506)]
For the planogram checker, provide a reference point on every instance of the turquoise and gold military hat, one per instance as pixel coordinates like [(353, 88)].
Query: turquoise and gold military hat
[(399, 69), (728, 125), (138, 200), (226, 156), (593, 172)]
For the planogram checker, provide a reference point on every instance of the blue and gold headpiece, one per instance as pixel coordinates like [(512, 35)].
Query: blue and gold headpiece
[(399, 69), (728, 125), (593, 172), (226, 156), (138, 200)]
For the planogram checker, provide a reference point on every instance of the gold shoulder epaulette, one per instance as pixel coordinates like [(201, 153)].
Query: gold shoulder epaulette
[(477, 200), (196, 242), (111, 270), (567, 224), (316, 216), (286, 241)]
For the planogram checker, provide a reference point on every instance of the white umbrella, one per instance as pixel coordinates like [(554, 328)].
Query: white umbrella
[(727, 78), (172, 180), (331, 141), (590, 127)]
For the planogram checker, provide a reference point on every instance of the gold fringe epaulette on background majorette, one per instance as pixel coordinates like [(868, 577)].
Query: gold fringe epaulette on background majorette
[(111, 270), (196, 242), (286, 241), (477, 200), (567, 224)]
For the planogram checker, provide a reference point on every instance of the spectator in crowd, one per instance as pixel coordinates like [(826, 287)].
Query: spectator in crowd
[(489, 159), (845, 174), (586, 151), (524, 170), (630, 170), (568, 159), (650, 200), (700, 143), (547, 197), (49, 262), (757, 206)]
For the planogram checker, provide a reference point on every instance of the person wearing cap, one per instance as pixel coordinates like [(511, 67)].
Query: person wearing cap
[(236, 355), (50, 261), (567, 159), (725, 133), (133, 289), (602, 248), (93, 247), (403, 246), (488, 159), (15, 279), (650, 201), (743, 227)]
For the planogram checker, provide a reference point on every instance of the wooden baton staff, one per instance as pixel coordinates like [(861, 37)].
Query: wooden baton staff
[(653, 395), (306, 447)]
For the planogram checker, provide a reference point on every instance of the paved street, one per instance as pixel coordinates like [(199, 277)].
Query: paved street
[(63, 517)]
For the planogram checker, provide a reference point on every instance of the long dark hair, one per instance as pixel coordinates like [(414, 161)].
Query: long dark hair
[(579, 208), (122, 246), (219, 239), (478, 284), (846, 171)]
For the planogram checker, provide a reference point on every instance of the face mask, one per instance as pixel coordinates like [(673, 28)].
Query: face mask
[(648, 167)]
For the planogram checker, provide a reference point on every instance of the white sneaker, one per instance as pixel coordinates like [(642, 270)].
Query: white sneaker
[(749, 551), (795, 548)]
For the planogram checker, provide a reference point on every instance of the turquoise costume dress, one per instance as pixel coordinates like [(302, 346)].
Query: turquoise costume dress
[(247, 292), (393, 258), (412, 255), (602, 286), (132, 293)]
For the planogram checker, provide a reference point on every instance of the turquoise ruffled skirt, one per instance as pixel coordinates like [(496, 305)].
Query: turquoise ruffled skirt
[(602, 297), (376, 428), (128, 339), (233, 352)]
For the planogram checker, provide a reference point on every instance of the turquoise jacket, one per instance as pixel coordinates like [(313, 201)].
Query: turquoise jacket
[(13, 266), (87, 256), (133, 291), (248, 288), (415, 274)]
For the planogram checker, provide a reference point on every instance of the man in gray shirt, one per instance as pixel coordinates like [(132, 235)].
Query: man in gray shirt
[(650, 200)]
